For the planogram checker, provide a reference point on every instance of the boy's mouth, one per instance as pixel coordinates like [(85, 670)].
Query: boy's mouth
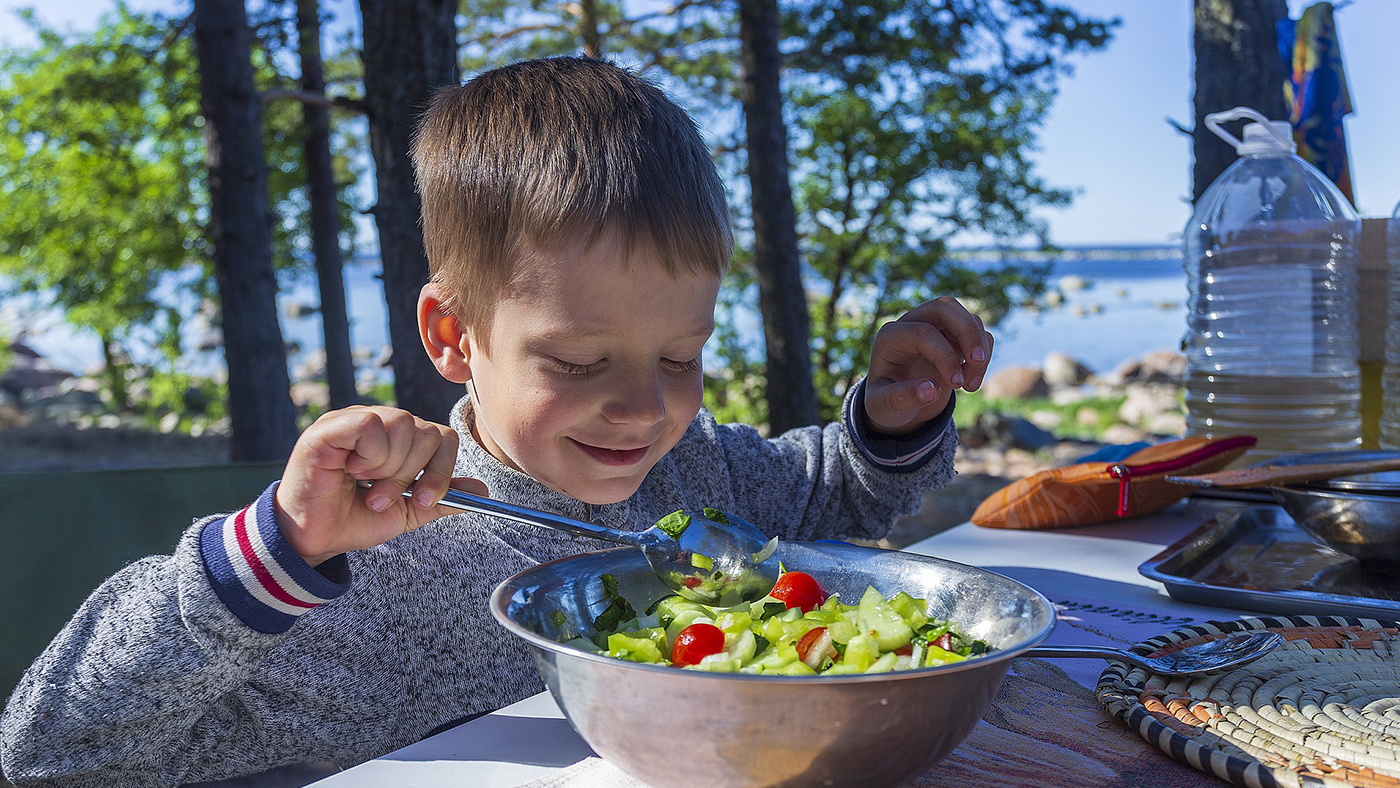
[(613, 457)]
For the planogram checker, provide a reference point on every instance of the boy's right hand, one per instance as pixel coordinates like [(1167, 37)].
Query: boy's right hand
[(321, 509)]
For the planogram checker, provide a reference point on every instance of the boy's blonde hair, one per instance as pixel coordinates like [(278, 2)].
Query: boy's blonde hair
[(548, 151)]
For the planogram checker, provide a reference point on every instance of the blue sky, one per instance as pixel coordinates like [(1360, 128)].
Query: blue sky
[(1107, 136)]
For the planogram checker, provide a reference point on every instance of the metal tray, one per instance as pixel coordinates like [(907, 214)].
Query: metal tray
[(1257, 558)]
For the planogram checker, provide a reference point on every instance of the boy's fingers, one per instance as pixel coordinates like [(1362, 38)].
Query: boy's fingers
[(414, 449), (905, 396), (960, 327), (437, 474), (976, 371), (911, 345)]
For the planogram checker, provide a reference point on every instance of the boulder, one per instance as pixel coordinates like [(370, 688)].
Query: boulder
[(1063, 371), (1146, 402), (1170, 424), (1167, 367), (22, 378), (1164, 366), (312, 365), (1011, 431), (309, 392), (1122, 433), (1016, 383)]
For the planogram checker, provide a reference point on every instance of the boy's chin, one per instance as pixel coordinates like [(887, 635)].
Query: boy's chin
[(605, 493)]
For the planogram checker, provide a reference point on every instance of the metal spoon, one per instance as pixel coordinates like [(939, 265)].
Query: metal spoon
[(707, 557), (1201, 658)]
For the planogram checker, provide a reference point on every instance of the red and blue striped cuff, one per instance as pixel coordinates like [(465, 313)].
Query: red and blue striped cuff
[(902, 454), (257, 574)]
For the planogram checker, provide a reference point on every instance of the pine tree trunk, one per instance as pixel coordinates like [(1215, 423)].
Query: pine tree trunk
[(1237, 65), (410, 48), (325, 220), (260, 405), (792, 399)]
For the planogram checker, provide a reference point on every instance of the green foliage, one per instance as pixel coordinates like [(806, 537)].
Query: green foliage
[(910, 123), (195, 399), (7, 355), (913, 123), (100, 169)]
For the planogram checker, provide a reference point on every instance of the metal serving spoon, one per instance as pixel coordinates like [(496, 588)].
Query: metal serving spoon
[(1201, 658), (705, 556)]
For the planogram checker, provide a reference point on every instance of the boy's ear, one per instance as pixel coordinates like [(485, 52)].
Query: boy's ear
[(441, 334)]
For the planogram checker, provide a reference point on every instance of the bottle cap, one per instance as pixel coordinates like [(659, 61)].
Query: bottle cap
[(1260, 140)]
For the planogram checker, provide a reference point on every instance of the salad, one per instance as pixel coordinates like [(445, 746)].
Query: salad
[(797, 630)]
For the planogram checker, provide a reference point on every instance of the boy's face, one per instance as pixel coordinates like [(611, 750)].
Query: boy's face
[(593, 372)]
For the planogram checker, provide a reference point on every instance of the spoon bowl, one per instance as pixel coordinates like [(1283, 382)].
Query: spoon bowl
[(705, 556), (1202, 658)]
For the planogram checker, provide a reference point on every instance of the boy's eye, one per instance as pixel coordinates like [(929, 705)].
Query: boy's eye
[(693, 365), (570, 368)]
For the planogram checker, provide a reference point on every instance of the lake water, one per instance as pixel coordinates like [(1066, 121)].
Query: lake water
[(1129, 307)]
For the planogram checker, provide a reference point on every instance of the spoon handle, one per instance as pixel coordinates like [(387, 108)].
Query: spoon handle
[(524, 514), (1085, 651), (468, 502)]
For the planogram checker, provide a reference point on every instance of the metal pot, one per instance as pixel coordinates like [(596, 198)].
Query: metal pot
[(1357, 515), (672, 728)]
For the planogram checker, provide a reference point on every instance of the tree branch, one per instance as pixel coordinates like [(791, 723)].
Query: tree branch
[(314, 99)]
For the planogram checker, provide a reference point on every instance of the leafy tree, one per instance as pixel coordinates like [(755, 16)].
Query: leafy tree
[(101, 170), (777, 261), (322, 194), (260, 403), (100, 175), (913, 124), (410, 49)]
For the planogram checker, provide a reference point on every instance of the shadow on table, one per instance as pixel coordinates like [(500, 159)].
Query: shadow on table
[(1045, 727), (504, 738)]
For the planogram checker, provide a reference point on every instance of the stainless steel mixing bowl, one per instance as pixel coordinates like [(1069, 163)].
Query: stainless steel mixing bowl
[(677, 728), (1357, 515)]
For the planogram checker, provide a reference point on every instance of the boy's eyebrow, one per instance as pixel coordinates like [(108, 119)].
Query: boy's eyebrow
[(592, 332)]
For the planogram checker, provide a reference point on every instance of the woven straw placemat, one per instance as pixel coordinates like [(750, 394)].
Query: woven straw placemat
[(1323, 709)]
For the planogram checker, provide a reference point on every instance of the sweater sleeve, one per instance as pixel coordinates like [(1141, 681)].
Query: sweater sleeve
[(841, 480), (156, 679)]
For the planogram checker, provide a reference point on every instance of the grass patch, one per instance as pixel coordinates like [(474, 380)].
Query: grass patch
[(1085, 420)]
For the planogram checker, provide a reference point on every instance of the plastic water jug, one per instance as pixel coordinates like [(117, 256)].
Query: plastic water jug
[(1390, 407), (1272, 253)]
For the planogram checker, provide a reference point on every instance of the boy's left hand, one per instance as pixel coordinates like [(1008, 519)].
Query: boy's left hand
[(919, 359)]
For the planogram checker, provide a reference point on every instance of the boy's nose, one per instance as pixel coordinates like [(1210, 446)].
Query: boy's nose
[(638, 399)]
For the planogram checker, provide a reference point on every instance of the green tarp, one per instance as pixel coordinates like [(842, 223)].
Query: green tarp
[(63, 532)]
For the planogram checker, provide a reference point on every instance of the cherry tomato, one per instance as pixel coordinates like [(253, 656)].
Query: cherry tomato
[(696, 642), (798, 589), (944, 641)]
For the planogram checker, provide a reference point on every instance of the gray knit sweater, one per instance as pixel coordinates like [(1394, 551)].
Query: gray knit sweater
[(201, 666)]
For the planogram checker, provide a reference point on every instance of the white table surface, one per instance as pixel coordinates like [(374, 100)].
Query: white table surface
[(531, 739)]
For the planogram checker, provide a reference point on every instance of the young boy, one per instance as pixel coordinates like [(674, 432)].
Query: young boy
[(577, 232)]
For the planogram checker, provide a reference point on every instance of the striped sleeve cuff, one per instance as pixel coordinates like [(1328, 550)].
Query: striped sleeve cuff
[(900, 454), (258, 575)]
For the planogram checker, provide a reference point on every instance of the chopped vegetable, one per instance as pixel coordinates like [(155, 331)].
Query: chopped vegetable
[(798, 630)]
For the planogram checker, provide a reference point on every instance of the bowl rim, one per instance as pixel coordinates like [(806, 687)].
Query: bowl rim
[(505, 589), (1350, 495)]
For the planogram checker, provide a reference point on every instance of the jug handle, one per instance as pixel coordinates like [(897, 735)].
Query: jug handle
[(1215, 119)]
